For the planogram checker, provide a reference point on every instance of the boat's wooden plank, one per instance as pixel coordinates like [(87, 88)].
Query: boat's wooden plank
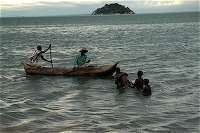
[(105, 70)]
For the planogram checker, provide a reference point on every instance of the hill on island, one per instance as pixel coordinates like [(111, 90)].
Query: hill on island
[(113, 8)]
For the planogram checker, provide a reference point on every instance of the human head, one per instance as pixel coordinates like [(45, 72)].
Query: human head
[(83, 50), (117, 69), (140, 73), (39, 47), (146, 81)]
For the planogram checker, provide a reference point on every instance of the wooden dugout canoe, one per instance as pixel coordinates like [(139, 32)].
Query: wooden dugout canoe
[(106, 70)]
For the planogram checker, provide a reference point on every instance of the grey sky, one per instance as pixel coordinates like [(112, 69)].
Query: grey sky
[(10, 8)]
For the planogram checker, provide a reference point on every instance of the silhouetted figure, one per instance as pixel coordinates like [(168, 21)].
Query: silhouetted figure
[(139, 81), (146, 88)]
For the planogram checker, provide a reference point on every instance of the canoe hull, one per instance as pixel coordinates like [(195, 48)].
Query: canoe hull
[(107, 70)]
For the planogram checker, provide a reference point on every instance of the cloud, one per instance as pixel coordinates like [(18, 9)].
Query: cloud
[(159, 6), (50, 8), (17, 4), (159, 3)]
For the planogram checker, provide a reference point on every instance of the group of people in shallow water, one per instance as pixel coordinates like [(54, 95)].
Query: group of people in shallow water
[(142, 85), (121, 78)]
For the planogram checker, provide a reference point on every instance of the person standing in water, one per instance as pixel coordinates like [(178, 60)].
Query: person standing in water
[(121, 78), (146, 88), (139, 82)]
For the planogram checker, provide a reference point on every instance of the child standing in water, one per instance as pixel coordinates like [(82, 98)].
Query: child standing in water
[(139, 81), (146, 88)]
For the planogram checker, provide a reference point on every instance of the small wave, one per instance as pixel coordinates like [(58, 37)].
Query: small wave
[(3, 104)]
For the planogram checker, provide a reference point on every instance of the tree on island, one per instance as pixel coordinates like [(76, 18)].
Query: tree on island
[(113, 8)]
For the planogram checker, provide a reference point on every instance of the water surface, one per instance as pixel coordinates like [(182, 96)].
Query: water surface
[(164, 46)]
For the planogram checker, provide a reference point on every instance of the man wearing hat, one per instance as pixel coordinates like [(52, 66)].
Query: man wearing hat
[(82, 58)]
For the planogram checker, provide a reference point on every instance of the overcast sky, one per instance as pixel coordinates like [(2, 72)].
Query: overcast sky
[(13, 8)]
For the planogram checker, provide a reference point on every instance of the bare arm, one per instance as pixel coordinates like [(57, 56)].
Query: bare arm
[(133, 85), (47, 49), (45, 59)]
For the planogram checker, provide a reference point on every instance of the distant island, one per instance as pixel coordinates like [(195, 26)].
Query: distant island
[(113, 8)]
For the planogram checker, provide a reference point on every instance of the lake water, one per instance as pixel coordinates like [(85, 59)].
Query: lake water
[(164, 46)]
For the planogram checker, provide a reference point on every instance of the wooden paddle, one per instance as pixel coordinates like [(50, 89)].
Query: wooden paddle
[(51, 58)]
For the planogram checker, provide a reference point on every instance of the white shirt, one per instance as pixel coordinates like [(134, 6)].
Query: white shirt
[(36, 55)]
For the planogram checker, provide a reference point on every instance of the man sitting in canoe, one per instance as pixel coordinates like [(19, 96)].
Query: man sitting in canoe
[(121, 79), (82, 58), (37, 54)]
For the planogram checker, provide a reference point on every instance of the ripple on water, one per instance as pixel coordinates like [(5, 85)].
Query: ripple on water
[(167, 50)]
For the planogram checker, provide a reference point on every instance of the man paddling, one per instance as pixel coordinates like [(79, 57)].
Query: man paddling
[(37, 54)]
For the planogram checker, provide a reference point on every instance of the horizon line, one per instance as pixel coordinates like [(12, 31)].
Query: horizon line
[(87, 14)]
